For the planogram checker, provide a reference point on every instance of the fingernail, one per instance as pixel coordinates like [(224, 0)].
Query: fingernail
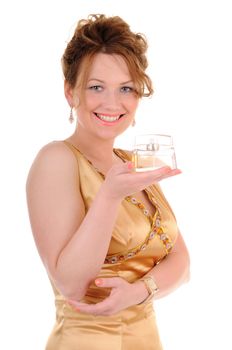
[(98, 282), (130, 165)]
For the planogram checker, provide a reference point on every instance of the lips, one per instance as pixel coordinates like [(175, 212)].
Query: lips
[(108, 118)]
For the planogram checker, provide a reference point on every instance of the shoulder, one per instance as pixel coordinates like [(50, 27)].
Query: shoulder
[(54, 152), (53, 160)]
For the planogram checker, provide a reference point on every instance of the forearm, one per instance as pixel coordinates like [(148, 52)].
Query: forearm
[(170, 273), (82, 258)]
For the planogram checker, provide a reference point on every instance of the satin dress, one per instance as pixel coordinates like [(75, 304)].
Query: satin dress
[(139, 242)]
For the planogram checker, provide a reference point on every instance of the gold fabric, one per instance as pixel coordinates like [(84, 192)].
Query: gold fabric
[(134, 327)]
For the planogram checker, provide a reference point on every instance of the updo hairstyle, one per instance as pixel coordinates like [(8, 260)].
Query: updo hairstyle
[(109, 35)]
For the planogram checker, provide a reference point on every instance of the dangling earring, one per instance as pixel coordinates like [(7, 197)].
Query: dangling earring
[(71, 119), (133, 123)]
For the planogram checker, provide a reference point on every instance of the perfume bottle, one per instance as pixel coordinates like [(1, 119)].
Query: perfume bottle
[(153, 151)]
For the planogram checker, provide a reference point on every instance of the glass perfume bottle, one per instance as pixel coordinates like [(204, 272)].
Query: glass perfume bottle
[(153, 151)]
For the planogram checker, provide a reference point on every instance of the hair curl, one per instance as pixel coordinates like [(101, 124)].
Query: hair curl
[(110, 35)]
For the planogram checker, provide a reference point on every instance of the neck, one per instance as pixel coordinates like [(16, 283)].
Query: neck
[(96, 149)]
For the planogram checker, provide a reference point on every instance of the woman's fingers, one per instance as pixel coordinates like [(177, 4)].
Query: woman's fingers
[(112, 282), (156, 175), (122, 179), (101, 308), (88, 308), (172, 172), (107, 306)]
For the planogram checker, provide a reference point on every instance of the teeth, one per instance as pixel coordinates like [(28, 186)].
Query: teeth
[(107, 118)]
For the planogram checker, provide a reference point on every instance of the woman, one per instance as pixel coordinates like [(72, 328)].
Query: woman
[(103, 230)]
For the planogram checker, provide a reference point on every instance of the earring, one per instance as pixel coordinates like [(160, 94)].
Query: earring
[(133, 123), (71, 119)]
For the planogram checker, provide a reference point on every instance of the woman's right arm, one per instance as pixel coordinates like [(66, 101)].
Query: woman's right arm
[(72, 245)]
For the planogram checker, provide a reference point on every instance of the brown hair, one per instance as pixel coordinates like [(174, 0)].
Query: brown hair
[(110, 35)]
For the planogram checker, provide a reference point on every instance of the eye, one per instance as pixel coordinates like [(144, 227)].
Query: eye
[(96, 88), (127, 89)]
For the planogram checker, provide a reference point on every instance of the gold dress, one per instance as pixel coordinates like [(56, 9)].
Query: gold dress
[(139, 241)]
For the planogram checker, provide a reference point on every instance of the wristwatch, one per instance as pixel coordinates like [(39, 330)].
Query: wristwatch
[(151, 287)]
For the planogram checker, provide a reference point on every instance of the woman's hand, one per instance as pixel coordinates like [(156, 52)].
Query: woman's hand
[(121, 180), (123, 295)]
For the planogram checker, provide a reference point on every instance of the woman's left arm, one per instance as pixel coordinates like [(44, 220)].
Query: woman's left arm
[(173, 271), (169, 274)]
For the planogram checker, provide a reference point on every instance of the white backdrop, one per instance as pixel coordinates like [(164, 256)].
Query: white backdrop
[(190, 64)]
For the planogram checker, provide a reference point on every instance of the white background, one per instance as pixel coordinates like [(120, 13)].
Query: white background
[(190, 64)]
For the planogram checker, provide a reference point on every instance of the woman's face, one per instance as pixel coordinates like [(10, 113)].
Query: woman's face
[(108, 103)]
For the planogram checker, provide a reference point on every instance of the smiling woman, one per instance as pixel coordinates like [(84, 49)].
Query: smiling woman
[(108, 96), (103, 230)]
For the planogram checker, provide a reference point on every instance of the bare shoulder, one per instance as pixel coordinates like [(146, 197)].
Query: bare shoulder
[(54, 157), (54, 151)]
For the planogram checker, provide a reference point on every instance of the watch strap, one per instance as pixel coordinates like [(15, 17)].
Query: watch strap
[(151, 286)]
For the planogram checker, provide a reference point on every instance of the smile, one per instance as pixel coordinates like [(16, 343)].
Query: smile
[(108, 118)]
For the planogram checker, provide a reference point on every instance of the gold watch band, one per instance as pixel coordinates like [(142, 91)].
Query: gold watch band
[(151, 286)]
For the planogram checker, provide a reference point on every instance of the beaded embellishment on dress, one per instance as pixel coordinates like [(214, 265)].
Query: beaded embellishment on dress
[(155, 221), (156, 229)]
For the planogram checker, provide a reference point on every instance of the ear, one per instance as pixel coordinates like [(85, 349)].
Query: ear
[(68, 92)]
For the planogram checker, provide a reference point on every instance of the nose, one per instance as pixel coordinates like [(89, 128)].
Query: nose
[(112, 100)]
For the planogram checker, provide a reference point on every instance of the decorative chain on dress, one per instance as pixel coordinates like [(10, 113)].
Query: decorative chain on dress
[(156, 226), (156, 229)]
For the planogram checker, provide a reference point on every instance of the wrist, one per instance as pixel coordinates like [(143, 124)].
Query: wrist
[(151, 287), (141, 292), (105, 191)]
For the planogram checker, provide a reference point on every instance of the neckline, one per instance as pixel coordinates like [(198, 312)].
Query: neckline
[(129, 198), (116, 151)]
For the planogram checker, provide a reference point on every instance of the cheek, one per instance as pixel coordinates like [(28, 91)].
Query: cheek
[(87, 105), (91, 101), (132, 103)]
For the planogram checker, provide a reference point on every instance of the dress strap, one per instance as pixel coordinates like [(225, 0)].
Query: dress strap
[(124, 155), (74, 150), (71, 146)]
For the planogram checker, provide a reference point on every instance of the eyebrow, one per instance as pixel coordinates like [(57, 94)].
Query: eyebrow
[(102, 81)]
